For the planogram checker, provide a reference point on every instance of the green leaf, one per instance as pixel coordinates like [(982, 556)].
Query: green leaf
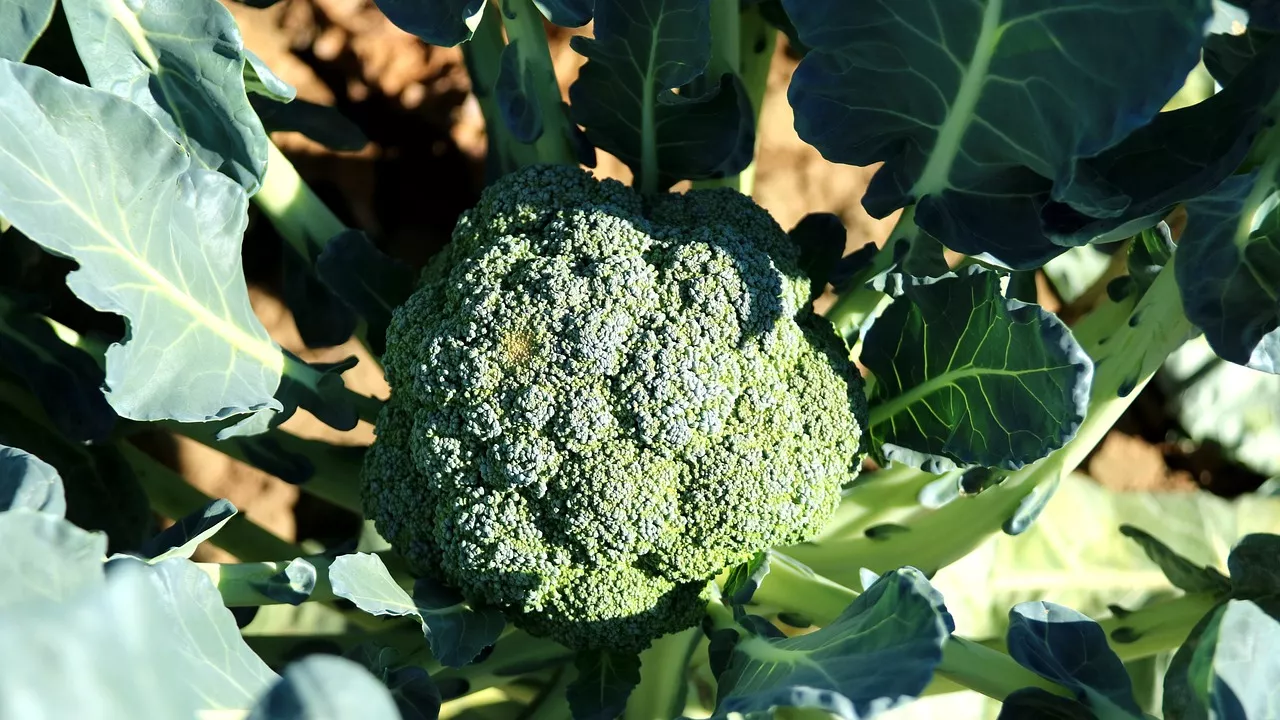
[(1037, 704), (29, 483), (45, 559), (415, 693), (964, 376), (605, 681), (517, 96), (322, 319), (22, 22), (321, 123), (182, 538), (1062, 645), (880, 653), (1252, 563), (745, 579), (66, 380), (90, 176), (1183, 573), (1226, 56), (457, 634), (370, 282), (216, 663), (439, 22), (1228, 267), (183, 62), (105, 648), (325, 687), (623, 96), (979, 110), (566, 13), (260, 80)]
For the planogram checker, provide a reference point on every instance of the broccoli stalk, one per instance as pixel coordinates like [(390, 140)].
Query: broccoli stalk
[(525, 32), (1128, 340)]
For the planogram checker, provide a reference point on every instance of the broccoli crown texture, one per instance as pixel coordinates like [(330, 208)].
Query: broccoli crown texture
[(600, 401)]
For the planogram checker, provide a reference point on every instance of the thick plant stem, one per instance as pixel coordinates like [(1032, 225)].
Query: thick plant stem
[(172, 496), (1128, 343), (526, 32), (663, 667), (853, 309), (304, 221), (742, 42), (482, 56)]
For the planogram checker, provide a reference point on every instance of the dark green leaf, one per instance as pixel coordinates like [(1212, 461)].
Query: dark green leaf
[(1179, 156), (979, 110), (183, 62), (22, 22), (880, 653), (1180, 571), (66, 380), (1030, 507), (438, 22), (91, 176), (821, 238), (745, 579), (293, 585), (605, 681), (623, 95), (1253, 565), (321, 123), (102, 492), (182, 538), (1228, 269), (260, 80), (456, 634), (29, 483), (1037, 704), (322, 319), (1069, 648), (326, 687), (415, 693), (517, 97), (370, 282), (965, 376), (45, 559), (1226, 56), (566, 13)]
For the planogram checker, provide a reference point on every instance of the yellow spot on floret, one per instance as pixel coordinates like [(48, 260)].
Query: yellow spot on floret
[(516, 346)]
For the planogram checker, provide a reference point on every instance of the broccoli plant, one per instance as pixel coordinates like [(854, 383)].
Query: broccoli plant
[(646, 454)]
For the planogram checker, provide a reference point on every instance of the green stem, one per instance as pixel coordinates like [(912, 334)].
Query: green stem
[(526, 32), (552, 703), (663, 666), (879, 498), (854, 308), (742, 42), (514, 656), (172, 496), (1127, 349), (298, 214), (482, 55)]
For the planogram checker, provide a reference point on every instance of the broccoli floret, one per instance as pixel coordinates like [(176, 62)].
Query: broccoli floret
[(599, 402)]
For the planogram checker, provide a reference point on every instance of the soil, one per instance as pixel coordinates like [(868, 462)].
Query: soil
[(423, 166)]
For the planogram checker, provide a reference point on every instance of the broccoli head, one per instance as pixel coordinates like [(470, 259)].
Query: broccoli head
[(600, 401)]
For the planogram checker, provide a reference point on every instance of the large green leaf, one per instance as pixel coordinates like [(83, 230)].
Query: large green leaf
[(980, 109), (604, 682), (93, 177), (22, 22), (182, 61), (1228, 267), (878, 654), (441, 22), (624, 96), (965, 376), (46, 559)]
